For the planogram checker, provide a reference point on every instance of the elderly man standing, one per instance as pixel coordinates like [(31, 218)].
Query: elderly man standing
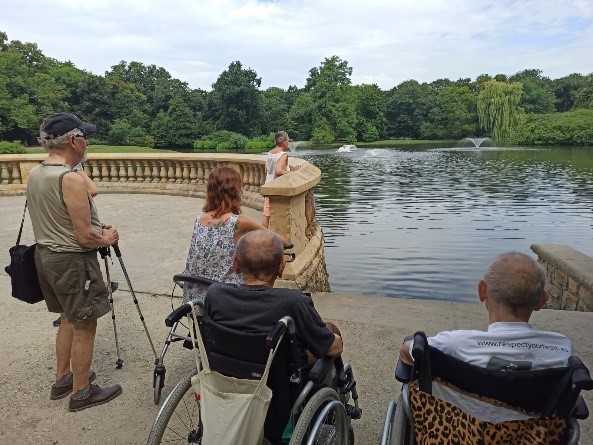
[(512, 289), (68, 232)]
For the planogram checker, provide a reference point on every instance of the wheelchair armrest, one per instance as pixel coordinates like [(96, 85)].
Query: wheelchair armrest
[(403, 372), (320, 369), (581, 378), (580, 410)]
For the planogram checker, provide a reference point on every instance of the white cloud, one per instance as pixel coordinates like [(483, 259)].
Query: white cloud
[(385, 42)]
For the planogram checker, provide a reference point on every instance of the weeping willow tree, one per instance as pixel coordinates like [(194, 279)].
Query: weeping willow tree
[(498, 109)]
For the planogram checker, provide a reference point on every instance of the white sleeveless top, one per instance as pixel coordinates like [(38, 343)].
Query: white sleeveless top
[(271, 163)]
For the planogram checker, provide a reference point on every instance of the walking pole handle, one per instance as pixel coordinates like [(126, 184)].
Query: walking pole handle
[(104, 252), (116, 250)]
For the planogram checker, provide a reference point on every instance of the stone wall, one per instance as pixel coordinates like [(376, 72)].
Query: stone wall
[(292, 202), (570, 277)]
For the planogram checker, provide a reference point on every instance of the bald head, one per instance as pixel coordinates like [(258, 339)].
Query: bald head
[(515, 280), (259, 254)]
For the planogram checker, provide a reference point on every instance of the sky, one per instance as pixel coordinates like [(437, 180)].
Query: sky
[(385, 42)]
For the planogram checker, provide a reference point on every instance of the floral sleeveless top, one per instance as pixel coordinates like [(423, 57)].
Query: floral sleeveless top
[(211, 255)]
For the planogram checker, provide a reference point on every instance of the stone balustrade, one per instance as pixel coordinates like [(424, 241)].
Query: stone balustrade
[(292, 202), (570, 277)]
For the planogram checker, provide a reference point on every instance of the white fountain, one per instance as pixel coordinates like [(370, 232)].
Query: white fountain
[(477, 142), (292, 145)]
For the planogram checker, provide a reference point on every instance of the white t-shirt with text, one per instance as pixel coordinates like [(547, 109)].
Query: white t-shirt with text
[(509, 345)]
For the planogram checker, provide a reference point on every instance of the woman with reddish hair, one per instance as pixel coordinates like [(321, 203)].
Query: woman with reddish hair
[(217, 231)]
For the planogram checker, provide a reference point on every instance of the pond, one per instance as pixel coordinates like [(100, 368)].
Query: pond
[(425, 223)]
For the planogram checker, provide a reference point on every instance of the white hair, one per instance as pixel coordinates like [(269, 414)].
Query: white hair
[(48, 141)]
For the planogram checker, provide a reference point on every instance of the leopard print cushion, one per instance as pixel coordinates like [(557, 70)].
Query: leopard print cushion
[(437, 422)]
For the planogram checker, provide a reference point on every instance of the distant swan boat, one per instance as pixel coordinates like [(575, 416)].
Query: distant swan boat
[(346, 148)]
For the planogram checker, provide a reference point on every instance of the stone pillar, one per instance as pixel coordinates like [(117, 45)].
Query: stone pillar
[(570, 277)]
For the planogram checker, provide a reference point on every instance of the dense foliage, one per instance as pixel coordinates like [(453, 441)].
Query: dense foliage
[(136, 104), (570, 128)]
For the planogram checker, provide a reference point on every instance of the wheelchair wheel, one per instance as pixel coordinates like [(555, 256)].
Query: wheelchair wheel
[(323, 421), (178, 420), (400, 429)]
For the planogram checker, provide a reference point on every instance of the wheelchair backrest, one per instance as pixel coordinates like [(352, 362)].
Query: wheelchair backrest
[(243, 355), (546, 391)]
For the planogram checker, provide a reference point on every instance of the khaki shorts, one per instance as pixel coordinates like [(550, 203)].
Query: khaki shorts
[(72, 284)]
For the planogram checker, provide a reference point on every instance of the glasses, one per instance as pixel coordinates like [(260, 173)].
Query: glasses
[(86, 138), (289, 257)]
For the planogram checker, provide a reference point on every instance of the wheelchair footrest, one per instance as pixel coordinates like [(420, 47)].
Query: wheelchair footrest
[(353, 412)]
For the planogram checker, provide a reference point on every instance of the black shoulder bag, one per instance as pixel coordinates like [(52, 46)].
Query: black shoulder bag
[(22, 270)]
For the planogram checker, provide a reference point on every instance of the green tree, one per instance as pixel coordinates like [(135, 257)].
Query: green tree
[(584, 98), (408, 105), (453, 114), (333, 99), (27, 92), (498, 109), (566, 90), (184, 127), (300, 117), (370, 106), (274, 110), (537, 94), (104, 100), (235, 101)]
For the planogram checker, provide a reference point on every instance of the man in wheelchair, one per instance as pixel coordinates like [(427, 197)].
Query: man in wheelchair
[(512, 289), (496, 386), (255, 307)]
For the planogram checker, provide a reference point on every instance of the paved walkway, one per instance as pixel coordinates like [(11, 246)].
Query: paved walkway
[(155, 232)]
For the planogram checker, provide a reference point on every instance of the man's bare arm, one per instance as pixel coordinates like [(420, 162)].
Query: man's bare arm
[(336, 348), (76, 198), (404, 353)]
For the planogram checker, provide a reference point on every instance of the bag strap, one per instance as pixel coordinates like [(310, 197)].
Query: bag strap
[(197, 336), (18, 240)]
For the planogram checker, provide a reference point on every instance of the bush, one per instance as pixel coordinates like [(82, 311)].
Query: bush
[(11, 148), (221, 141), (142, 141), (204, 144), (97, 141), (570, 128), (254, 145), (323, 134)]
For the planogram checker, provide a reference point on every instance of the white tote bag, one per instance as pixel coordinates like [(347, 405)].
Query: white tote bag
[(232, 410)]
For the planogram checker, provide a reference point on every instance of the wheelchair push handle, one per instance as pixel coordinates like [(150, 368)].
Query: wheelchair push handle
[(177, 314), (283, 325), (182, 311), (179, 279)]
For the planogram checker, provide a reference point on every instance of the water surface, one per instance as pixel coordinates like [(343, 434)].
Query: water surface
[(425, 223)]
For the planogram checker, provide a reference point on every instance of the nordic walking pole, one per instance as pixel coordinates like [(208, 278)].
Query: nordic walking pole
[(123, 268), (104, 251)]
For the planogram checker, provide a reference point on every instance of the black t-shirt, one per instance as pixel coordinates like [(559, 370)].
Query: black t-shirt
[(258, 308)]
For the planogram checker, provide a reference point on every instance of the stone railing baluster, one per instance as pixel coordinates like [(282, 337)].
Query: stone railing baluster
[(16, 173), (5, 175), (131, 171)]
